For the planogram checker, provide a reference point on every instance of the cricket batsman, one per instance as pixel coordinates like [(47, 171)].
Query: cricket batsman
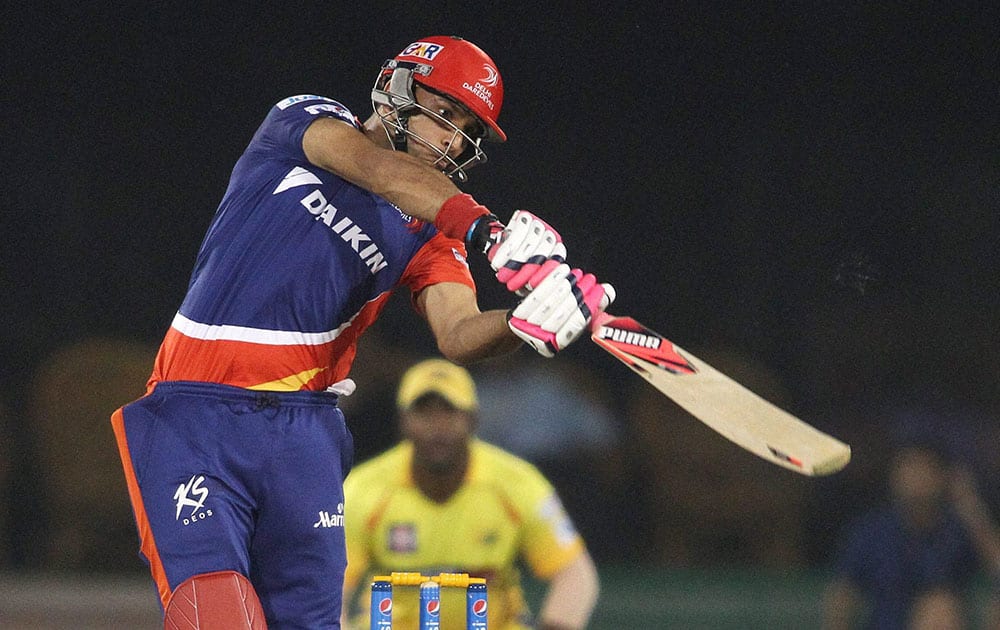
[(235, 456)]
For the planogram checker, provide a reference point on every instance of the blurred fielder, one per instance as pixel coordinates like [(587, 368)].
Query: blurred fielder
[(443, 501)]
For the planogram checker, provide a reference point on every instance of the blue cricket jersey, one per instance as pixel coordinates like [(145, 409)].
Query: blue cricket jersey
[(296, 264)]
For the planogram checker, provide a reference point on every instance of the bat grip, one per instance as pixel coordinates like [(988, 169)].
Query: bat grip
[(599, 320)]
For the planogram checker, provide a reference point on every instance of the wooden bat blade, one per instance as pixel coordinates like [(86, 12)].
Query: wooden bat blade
[(720, 402)]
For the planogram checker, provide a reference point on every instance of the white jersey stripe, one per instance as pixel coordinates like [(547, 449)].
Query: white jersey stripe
[(227, 332)]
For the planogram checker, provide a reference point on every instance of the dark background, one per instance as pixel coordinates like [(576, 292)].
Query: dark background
[(814, 185)]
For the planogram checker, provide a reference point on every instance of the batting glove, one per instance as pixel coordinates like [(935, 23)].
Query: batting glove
[(557, 312), (521, 251)]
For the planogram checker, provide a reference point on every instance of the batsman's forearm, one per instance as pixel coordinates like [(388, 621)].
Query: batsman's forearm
[(413, 185), (463, 333), (427, 194), (479, 337)]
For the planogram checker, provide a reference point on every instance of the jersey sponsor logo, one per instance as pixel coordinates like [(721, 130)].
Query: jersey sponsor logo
[(193, 495), (423, 50), (413, 224), (402, 538), (327, 106), (292, 100), (317, 205), (331, 108), (459, 257), (298, 176), (326, 519)]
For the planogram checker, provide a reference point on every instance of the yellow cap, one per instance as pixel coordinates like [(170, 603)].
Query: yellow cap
[(441, 377)]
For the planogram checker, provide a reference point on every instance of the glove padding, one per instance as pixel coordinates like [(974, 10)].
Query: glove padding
[(522, 249), (557, 312)]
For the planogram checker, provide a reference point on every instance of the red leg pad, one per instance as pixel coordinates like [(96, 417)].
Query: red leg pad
[(224, 600)]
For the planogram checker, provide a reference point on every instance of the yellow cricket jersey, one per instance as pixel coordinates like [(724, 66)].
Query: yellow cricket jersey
[(505, 510)]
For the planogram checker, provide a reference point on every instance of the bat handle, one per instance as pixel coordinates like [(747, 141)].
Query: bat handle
[(599, 320)]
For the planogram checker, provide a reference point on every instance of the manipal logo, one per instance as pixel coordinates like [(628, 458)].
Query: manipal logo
[(192, 495)]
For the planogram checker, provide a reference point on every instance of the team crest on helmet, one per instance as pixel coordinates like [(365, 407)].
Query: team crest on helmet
[(491, 76)]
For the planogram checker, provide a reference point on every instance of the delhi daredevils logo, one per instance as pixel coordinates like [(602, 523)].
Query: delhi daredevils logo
[(385, 606), (433, 607), (479, 607)]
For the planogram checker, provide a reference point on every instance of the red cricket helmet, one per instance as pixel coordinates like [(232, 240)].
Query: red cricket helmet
[(461, 70), (455, 69)]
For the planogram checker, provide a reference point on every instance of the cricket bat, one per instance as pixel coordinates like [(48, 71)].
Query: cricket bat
[(720, 402)]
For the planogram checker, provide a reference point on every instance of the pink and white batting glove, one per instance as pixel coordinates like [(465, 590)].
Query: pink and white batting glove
[(559, 309), (523, 249)]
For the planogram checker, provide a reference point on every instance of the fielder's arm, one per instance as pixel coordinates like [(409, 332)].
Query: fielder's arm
[(571, 597), (345, 621), (352, 581)]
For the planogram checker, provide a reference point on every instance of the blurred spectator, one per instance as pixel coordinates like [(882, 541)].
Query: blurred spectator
[(937, 609), (568, 406), (707, 501), (911, 562), (72, 394), (835, 500), (557, 415)]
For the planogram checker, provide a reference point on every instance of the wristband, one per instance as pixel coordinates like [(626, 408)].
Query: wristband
[(457, 215)]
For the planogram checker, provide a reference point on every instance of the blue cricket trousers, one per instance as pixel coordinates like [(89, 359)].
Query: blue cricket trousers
[(224, 478)]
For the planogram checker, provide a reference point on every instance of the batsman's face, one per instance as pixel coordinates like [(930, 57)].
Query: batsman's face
[(439, 432), (440, 127)]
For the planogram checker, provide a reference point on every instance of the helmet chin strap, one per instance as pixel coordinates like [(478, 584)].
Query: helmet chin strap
[(399, 134), (398, 95)]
